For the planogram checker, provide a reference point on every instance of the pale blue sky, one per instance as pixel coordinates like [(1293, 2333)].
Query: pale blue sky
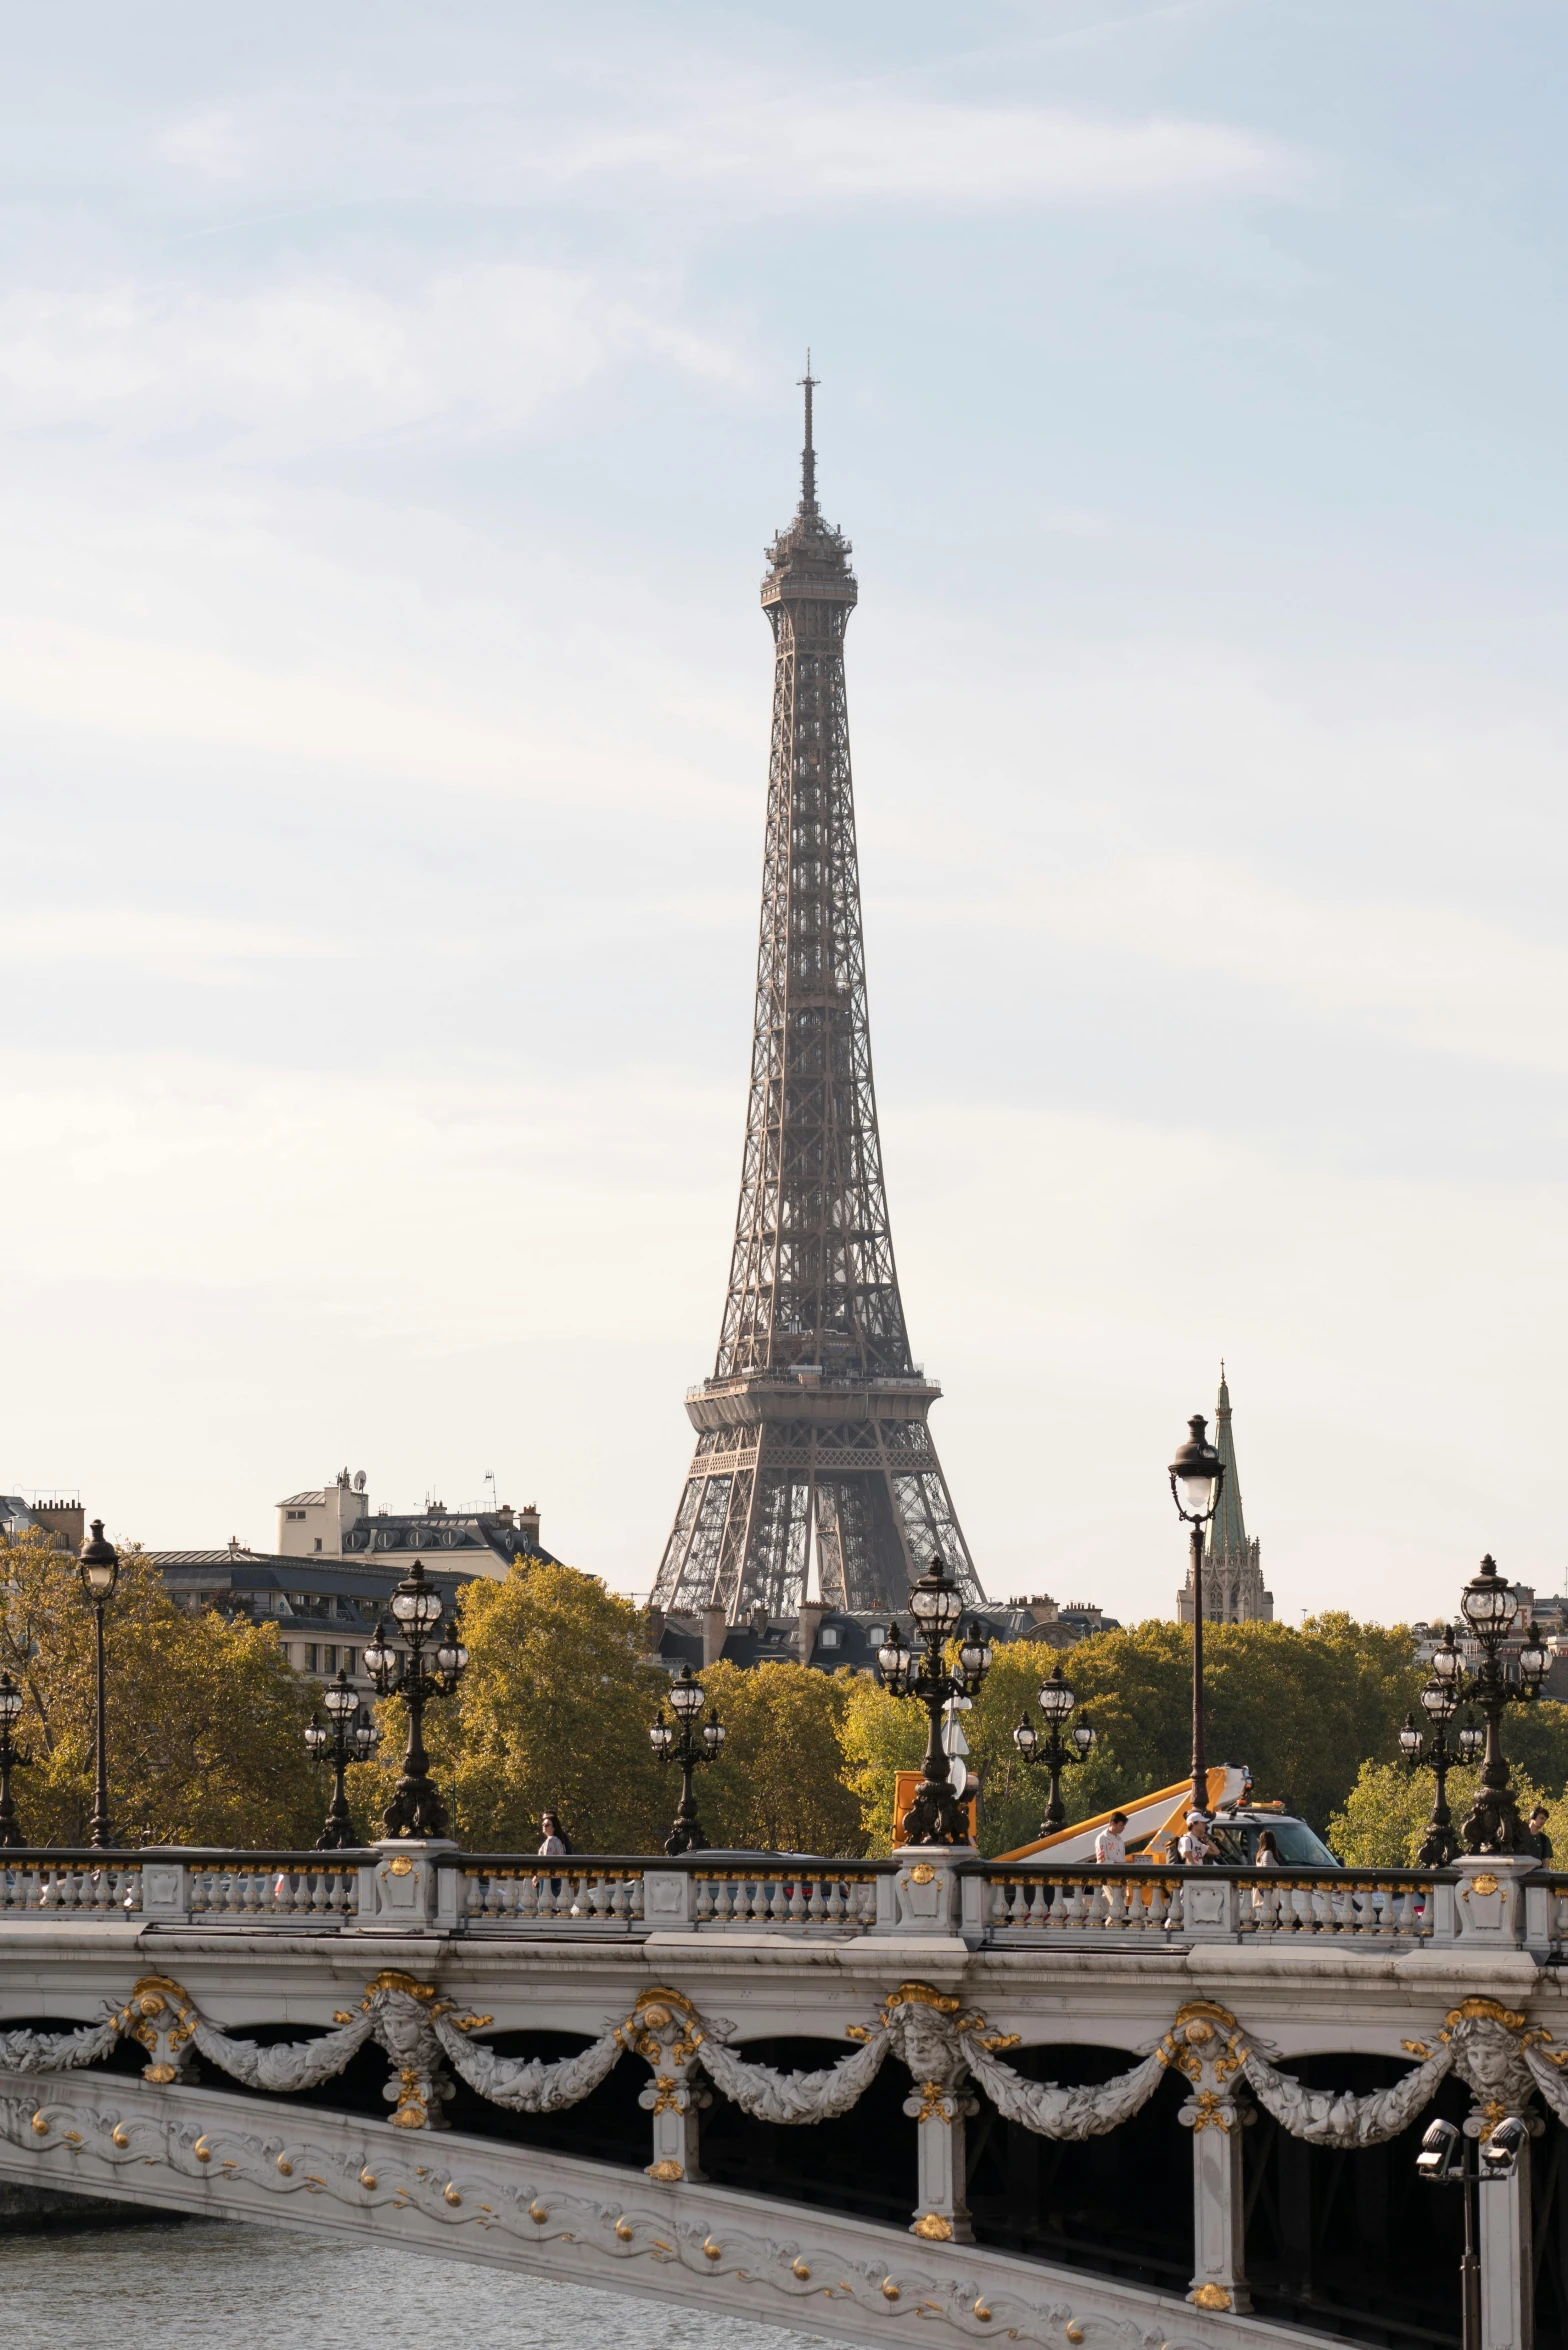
[(395, 402)]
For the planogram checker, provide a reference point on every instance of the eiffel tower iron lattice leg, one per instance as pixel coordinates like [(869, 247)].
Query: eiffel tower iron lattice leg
[(815, 1420)]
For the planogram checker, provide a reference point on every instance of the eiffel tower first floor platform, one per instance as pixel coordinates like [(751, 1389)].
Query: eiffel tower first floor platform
[(785, 1458)]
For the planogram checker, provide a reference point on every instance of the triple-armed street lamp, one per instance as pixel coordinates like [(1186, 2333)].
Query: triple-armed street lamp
[(350, 1736), (937, 1815), (1434, 1753), (690, 1746), (1062, 1747), (416, 1808), (1490, 1609), (1197, 1475)]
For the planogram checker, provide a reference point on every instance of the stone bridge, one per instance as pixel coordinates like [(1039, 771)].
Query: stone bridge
[(1138, 2108)]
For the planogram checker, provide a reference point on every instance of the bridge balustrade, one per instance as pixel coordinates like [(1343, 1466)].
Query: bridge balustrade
[(1029, 1902)]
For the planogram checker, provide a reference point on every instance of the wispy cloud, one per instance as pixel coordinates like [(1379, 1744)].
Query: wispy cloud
[(327, 356)]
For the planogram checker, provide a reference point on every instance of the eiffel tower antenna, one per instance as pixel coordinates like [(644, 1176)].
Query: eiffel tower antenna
[(808, 455), (815, 1419)]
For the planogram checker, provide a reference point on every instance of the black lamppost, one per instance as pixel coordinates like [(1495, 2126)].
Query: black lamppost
[(11, 1758), (1059, 1752), (688, 1747), (1489, 1609), (416, 1808), (100, 1571), (350, 1737), (937, 1816), (1441, 1848), (1197, 1474)]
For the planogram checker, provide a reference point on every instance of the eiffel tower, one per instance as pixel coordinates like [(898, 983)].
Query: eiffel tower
[(814, 1424)]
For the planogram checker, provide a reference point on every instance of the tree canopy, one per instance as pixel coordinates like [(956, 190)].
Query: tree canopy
[(205, 1717)]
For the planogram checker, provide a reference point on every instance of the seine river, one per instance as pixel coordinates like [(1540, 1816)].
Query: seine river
[(162, 2288)]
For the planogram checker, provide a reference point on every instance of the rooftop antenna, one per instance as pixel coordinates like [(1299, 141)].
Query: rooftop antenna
[(494, 1497), (808, 455)]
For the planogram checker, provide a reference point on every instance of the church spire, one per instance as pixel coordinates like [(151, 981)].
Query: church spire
[(1227, 1527)]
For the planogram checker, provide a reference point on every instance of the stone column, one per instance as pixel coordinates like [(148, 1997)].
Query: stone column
[(940, 2114), (660, 2028), (1204, 2044), (1219, 2250), (1507, 2260)]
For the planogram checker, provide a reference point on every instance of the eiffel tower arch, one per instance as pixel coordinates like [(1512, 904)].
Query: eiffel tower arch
[(815, 1421)]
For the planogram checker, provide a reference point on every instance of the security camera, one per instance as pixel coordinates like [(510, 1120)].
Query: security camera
[(1500, 2151), (1442, 2154)]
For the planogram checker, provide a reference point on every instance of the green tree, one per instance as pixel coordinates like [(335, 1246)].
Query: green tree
[(1383, 1823), (551, 1715), (781, 1785), (205, 1717), (880, 1736), (1300, 1706)]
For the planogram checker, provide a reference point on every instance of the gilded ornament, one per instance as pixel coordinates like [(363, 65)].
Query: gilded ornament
[(451, 2195), (1210, 2297), (982, 2313), (285, 2167), (162, 2073), (667, 2172), (1485, 1882), (538, 2214), (890, 2291), (934, 2228), (922, 1873), (201, 2150), (920, 1995), (41, 2124), (624, 2229), (401, 1867), (1073, 2331), (710, 2250), (367, 2178), (798, 2268), (117, 2136)]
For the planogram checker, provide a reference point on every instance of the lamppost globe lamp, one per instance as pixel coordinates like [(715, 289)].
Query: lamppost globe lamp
[(340, 1699), (315, 1736), (1197, 1476), (1533, 1659), (936, 1601), (1084, 1735), (1410, 1740), (1487, 1601), (1438, 1701), (974, 1658), (380, 1660), (1472, 1739), (1056, 1699), (1026, 1738), (1447, 1663), (688, 1747), (897, 1662)]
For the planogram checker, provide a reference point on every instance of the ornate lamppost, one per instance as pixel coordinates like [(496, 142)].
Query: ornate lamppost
[(1489, 1608), (688, 1746), (937, 1816), (11, 1758), (1197, 1474), (1433, 1751), (349, 1737), (416, 1808), (99, 1566), (1060, 1752)]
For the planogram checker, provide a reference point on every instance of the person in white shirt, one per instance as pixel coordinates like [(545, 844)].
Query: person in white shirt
[(1111, 1842), (1194, 1849)]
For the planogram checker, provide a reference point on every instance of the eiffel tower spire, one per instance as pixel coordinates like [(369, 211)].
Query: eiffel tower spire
[(814, 1423)]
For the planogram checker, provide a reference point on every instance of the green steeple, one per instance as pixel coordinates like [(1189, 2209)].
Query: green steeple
[(1227, 1528)]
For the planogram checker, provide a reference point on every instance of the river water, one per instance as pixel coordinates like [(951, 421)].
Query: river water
[(213, 2284)]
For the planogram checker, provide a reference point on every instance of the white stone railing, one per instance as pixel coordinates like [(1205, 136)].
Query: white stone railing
[(1032, 1902), (82, 1883), (989, 1904)]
